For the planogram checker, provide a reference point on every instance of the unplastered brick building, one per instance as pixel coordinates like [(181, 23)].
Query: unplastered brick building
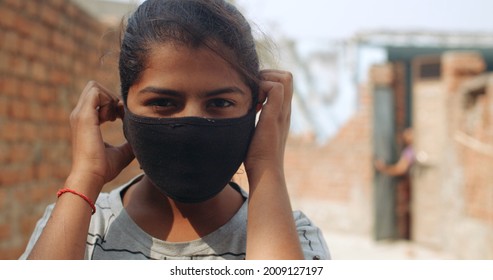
[(49, 50)]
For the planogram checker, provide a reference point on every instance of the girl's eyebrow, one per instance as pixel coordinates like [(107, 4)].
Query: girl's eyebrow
[(177, 93), (163, 91), (220, 91)]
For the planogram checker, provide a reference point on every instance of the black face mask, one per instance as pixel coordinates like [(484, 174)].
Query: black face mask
[(189, 159)]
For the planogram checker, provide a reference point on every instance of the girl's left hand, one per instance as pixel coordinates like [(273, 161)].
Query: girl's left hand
[(269, 208), (269, 141)]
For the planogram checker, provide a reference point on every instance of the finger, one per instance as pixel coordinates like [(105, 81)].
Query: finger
[(120, 109), (117, 157), (93, 87), (97, 104), (108, 111), (126, 154), (286, 79), (274, 92)]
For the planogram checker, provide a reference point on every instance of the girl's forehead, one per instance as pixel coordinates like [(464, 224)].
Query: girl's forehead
[(174, 58), (189, 70)]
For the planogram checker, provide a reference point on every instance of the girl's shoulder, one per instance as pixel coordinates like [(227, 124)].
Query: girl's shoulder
[(108, 206), (311, 238)]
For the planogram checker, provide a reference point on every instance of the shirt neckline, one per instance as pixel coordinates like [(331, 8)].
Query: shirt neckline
[(177, 249)]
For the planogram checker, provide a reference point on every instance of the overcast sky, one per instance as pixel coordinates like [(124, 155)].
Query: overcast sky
[(339, 19)]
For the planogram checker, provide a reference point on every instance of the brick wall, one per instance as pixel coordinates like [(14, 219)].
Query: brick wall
[(453, 187), (472, 95), (333, 182), (48, 51), (473, 139)]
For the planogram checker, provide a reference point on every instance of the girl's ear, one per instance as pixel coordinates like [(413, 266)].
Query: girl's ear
[(258, 107), (121, 109), (261, 100)]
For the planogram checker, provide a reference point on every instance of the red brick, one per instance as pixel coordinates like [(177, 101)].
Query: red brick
[(42, 171), (46, 132), (19, 66), (50, 113), (18, 110), (10, 176), (27, 90), (50, 16), (32, 8), (10, 41), (64, 61), (39, 195), (28, 223), (3, 199), (39, 71), (63, 130), (20, 153), (60, 77), (35, 111), (7, 19), (17, 5), (62, 171), (28, 48), (10, 131), (4, 65), (30, 131), (56, 39), (45, 94), (11, 253), (72, 11), (5, 231), (23, 25), (45, 54), (59, 5), (3, 106)]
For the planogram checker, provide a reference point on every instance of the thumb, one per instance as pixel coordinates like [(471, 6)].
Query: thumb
[(126, 154)]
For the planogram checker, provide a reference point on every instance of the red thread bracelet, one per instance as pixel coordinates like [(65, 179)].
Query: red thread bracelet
[(65, 190)]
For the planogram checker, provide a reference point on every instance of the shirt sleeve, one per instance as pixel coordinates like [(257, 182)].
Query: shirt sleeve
[(40, 225), (311, 238), (408, 153)]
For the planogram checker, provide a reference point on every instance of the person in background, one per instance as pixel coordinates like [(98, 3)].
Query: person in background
[(406, 159), (401, 169)]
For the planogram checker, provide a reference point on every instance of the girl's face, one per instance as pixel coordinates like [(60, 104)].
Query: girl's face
[(180, 81)]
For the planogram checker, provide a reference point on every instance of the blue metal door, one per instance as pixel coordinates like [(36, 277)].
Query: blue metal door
[(384, 148)]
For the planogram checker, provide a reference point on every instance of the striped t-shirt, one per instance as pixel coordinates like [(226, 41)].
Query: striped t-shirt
[(114, 235)]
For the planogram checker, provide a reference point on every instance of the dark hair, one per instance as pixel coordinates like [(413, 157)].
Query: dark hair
[(214, 24)]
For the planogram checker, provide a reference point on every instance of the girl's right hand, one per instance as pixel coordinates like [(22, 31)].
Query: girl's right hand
[(94, 164), (94, 161)]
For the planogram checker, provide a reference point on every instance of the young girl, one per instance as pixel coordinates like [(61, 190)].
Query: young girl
[(191, 88)]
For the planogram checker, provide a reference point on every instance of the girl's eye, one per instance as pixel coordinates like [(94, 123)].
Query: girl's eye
[(161, 103), (163, 106), (220, 103)]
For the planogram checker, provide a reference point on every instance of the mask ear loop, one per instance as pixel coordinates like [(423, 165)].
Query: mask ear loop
[(256, 103)]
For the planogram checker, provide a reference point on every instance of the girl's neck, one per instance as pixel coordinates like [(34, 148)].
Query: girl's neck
[(168, 220)]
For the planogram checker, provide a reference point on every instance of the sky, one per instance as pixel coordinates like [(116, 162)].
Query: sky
[(322, 20), (339, 19)]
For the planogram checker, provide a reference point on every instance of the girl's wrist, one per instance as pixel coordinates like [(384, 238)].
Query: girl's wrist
[(89, 185), (265, 175)]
